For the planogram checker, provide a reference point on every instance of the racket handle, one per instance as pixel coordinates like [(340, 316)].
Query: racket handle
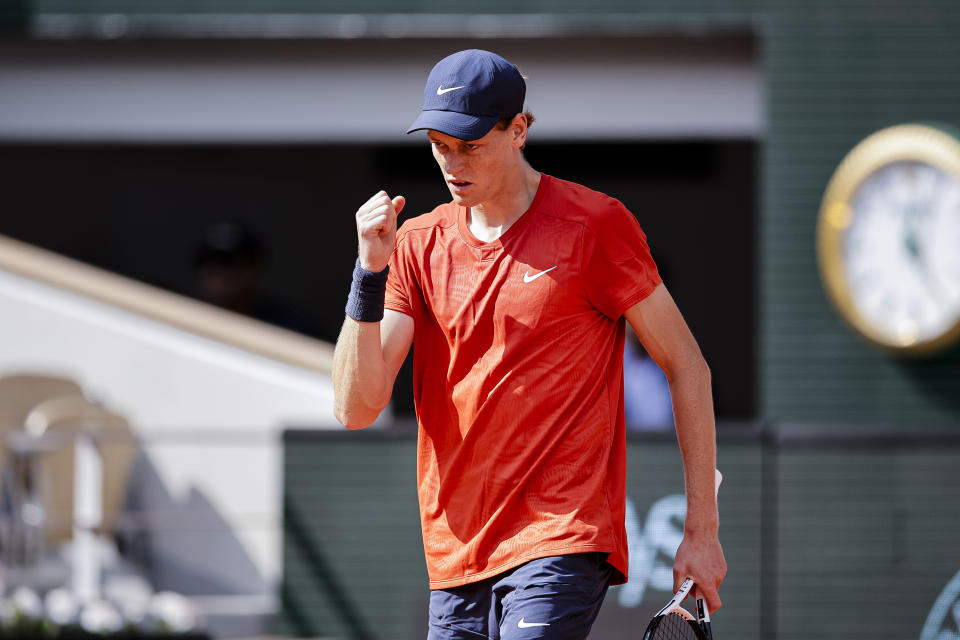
[(703, 617)]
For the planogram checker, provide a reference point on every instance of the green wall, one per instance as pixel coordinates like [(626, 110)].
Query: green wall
[(353, 565), (835, 72), (834, 534)]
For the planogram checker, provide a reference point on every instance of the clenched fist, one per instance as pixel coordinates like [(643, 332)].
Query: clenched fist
[(377, 230)]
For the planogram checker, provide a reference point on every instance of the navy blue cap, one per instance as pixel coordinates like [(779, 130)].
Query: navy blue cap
[(469, 92)]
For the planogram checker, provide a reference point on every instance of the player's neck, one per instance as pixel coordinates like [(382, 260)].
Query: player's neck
[(489, 220)]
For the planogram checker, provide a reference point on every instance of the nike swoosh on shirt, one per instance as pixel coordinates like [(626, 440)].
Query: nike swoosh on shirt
[(530, 278), (441, 90), (525, 625)]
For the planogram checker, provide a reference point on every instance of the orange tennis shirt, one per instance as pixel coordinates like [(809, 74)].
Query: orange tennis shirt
[(518, 379)]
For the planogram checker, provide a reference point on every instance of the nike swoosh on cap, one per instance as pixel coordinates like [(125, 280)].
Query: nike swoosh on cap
[(441, 90), (524, 625), (530, 278)]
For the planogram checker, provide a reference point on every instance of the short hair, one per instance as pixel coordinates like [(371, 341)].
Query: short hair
[(504, 122)]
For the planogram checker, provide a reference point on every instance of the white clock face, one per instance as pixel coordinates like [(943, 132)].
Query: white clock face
[(902, 251)]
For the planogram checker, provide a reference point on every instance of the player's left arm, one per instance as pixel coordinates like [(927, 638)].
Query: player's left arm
[(666, 337)]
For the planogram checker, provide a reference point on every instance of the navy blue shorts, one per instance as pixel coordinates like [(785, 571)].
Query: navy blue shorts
[(555, 598)]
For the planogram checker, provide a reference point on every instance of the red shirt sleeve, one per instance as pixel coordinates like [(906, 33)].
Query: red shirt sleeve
[(618, 267)]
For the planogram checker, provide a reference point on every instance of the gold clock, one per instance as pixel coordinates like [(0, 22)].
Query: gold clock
[(888, 238)]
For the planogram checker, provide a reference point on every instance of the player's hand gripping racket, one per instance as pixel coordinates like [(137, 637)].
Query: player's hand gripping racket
[(673, 622)]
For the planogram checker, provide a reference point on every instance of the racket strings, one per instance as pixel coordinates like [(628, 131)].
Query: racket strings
[(676, 626)]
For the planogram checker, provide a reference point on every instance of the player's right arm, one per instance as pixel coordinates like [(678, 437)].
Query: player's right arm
[(368, 355)]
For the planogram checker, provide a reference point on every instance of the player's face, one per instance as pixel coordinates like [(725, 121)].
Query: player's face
[(475, 170)]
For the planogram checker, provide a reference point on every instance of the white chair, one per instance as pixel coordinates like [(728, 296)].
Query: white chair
[(84, 469), (19, 394)]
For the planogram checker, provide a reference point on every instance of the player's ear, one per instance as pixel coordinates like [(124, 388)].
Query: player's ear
[(519, 129)]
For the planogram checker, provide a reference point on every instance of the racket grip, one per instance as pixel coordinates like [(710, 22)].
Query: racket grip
[(703, 618), (705, 626)]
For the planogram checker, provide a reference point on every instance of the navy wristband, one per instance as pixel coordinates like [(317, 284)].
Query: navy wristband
[(367, 293)]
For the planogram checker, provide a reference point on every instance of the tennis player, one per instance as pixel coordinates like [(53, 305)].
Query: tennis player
[(515, 295)]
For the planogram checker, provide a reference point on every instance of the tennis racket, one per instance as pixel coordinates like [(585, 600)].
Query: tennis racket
[(673, 622)]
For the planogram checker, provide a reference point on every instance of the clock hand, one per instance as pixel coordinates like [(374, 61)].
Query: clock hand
[(929, 277), (912, 246)]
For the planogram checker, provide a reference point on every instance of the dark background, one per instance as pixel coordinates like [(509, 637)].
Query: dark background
[(142, 210)]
